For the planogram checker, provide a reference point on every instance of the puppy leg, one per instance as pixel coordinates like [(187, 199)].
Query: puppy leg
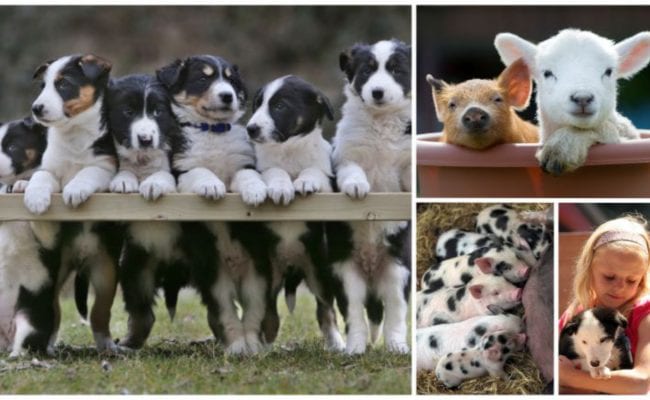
[(104, 280), (250, 185), (87, 181), (328, 326), (391, 289), (312, 180), (38, 192), (352, 180), (203, 182), (355, 289), (254, 297), (280, 187), (157, 185), (228, 325), (124, 182)]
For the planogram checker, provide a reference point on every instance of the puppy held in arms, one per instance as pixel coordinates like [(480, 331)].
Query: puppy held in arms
[(480, 113)]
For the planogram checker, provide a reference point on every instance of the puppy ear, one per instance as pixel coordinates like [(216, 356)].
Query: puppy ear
[(345, 60), (257, 99), (621, 320), (38, 74), (516, 84), (169, 75), (94, 67), (437, 87), (571, 328), (326, 106)]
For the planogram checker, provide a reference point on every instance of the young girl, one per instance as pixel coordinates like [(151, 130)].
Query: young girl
[(612, 271)]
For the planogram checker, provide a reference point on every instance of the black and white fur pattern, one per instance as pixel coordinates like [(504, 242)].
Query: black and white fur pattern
[(215, 155), (143, 127), (293, 157), (80, 158), (22, 143), (595, 340), (372, 152)]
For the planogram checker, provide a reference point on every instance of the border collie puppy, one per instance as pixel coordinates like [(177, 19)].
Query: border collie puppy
[(595, 340), (79, 160), (372, 152), (22, 143), (143, 127), (229, 260), (293, 157)]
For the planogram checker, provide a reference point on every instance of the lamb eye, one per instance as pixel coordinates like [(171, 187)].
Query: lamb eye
[(608, 72), (548, 74)]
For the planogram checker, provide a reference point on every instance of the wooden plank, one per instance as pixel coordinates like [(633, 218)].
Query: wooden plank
[(189, 207)]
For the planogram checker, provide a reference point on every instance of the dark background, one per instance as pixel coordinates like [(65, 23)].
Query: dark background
[(266, 42), (456, 44)]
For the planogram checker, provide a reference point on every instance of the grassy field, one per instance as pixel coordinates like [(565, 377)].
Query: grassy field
[(178, 360)]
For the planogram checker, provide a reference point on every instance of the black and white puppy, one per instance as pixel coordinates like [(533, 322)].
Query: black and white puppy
[(229, 260), (292, 156), (22, 143), (595, 340), (372, 152), (143, 127), (80, 159)]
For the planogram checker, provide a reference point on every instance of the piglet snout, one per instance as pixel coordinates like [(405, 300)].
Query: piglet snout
[(516, 295), (524, 271), (476, 119)]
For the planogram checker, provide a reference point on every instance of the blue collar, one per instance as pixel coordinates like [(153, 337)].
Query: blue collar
[(221, 127)]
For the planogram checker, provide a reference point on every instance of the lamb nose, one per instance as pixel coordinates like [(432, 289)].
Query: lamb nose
[(582, 99), (595, 363), (475, 118)]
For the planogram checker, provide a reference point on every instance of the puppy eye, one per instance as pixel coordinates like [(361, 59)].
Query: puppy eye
[(203, 78), (367, 70), (42, 85), (279, 106), (548, 74), (608, 72), (62, 84)]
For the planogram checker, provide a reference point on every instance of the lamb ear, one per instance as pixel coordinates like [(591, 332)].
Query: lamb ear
[(437, 86), (517, 84), (634, 54), (511, 47)]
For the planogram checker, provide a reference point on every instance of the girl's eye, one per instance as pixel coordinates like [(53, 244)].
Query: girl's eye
[(609, 278), (629, 282)]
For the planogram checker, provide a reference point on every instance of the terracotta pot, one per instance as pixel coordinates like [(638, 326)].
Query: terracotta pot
[(511, 170)]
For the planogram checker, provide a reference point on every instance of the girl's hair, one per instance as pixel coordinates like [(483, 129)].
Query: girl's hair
[(583, 295)]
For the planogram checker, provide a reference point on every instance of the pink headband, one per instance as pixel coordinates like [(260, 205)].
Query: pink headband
[(614, 236)]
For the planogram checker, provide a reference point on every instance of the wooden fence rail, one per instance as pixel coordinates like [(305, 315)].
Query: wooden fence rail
[(190, 207)]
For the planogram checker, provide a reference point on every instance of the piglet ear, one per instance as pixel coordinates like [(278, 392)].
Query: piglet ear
[(170, 74), (94, 67), (515, 81), (484, 264), (511, 47), (476, 291), (633, 53), (437, 86)]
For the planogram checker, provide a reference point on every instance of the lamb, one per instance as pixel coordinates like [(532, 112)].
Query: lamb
[(576, 73), (480, 113)]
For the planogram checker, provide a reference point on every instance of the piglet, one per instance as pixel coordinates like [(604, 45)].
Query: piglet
[(484, 294), (436, 341), (488, 358), (457, 242), (480, 113)]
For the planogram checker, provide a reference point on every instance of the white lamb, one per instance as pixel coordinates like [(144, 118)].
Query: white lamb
[(576, 73)]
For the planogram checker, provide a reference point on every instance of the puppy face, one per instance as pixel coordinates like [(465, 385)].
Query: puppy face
[(140, 115), (205, 88), (594, 332), (286, 108), (22, 144), (70, 86), (380, 74)]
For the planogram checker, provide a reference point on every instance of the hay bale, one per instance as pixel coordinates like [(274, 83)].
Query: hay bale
[(523, 377)]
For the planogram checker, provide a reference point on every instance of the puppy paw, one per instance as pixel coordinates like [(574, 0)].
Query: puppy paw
[(357, 189), (253, 343), (122, 184), (281, 193), (212, 189), (355, 347), (238, 347), (398, 347), (254, 194), (75, 194), (19, 186), (37, 199), (306, 186), (600, 373), (153, 190)]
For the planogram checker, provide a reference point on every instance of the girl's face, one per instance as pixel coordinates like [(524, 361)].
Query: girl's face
[(615, 274)]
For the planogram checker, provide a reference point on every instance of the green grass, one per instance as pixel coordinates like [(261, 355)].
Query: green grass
[(177, 359)]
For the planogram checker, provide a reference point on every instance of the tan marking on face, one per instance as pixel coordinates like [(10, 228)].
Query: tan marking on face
[(208, 70), (227, 72), (30, 155), (80, 104)]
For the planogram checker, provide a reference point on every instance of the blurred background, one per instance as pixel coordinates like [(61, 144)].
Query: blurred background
[(266, 42), (456, 44)]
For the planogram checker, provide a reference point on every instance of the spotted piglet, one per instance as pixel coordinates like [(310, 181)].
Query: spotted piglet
[(486, 359), (525, 230), (436, 341), (500, 260), (481, 296), (457, 242)]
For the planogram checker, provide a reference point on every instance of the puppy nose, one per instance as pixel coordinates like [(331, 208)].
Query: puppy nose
[(253, 131), (37, 109), (475, 119), (582, 99), (377, 94), (594, 363), (145, 140), (226, 97)]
